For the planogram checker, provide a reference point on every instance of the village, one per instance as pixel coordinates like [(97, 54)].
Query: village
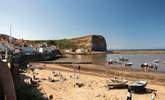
[(33, 65), (51, 49), (82, 50)]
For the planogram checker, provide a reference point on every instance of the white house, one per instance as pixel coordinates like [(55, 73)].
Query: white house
[(68, 50), (41, 50), (81, 50)]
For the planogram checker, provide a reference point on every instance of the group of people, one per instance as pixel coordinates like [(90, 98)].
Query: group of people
[(150, 67), (129, 95)]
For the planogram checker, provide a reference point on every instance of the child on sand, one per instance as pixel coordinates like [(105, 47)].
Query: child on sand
[(129, 95), (51, 97), (153, 96)]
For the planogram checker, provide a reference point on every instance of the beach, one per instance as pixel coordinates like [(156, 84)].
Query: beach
[(94, 80)]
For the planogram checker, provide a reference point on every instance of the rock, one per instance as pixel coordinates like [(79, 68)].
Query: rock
[(91, 42), (78, 84), (98, 43), (98, 95)]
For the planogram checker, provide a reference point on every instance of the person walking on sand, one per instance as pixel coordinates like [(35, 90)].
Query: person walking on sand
[(79, 68), (129, 95), (153, 96)]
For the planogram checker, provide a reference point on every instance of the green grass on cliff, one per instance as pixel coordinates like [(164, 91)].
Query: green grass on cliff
[(62, 44)]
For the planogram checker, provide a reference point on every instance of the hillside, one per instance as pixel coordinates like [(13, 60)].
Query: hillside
[(89, 43)]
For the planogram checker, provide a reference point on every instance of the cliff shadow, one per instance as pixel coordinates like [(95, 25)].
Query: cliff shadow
[(26, 91)]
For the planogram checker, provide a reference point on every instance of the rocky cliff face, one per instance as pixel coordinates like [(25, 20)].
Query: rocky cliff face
[(98, 43), (6, 37), (91, 42), (6, 42)]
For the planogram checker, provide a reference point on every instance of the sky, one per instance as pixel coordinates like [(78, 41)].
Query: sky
[(125, 24)]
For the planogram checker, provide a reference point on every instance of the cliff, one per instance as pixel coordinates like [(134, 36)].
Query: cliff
[(6, 42), (91, 42), (7, 38)]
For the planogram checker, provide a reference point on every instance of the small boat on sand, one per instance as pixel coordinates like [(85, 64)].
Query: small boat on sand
[(114, 62), (123, 59), (128, 64), (138, 86), (156, 61), (117, 83)]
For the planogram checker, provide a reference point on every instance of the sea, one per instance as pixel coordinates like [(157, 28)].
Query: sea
[(136, 59)]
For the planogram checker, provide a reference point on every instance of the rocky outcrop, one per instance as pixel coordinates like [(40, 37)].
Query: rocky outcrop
[(91, 42), (6, 42), (98, 43), (4, 37)]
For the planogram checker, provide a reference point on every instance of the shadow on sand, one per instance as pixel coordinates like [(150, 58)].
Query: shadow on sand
[(25, 91), (146, 91)]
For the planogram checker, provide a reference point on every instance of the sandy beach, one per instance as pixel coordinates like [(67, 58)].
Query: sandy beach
[(94, 84)]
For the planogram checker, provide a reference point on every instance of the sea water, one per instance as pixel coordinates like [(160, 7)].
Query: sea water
[(136, 59)]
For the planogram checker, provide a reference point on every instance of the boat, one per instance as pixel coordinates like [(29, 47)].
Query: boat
[(117, 80), (114, 62), (138, 86), (117, 83), (128, 64), (156, 61), (123, 59)]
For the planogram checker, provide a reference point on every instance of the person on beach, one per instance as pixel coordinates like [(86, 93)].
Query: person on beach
[(51, 97), (129, 95), (153, 96), (74, 70), (79, 68), (6, 82)]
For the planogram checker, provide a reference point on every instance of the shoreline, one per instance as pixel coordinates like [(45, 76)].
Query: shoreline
[(131, 74), (121, 52), (98, 70), (137, 51)]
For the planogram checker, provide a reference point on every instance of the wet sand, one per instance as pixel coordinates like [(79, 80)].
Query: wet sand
[(110, 71), (94, 79)]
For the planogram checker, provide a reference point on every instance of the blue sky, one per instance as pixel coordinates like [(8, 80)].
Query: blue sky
[(126, 24)]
